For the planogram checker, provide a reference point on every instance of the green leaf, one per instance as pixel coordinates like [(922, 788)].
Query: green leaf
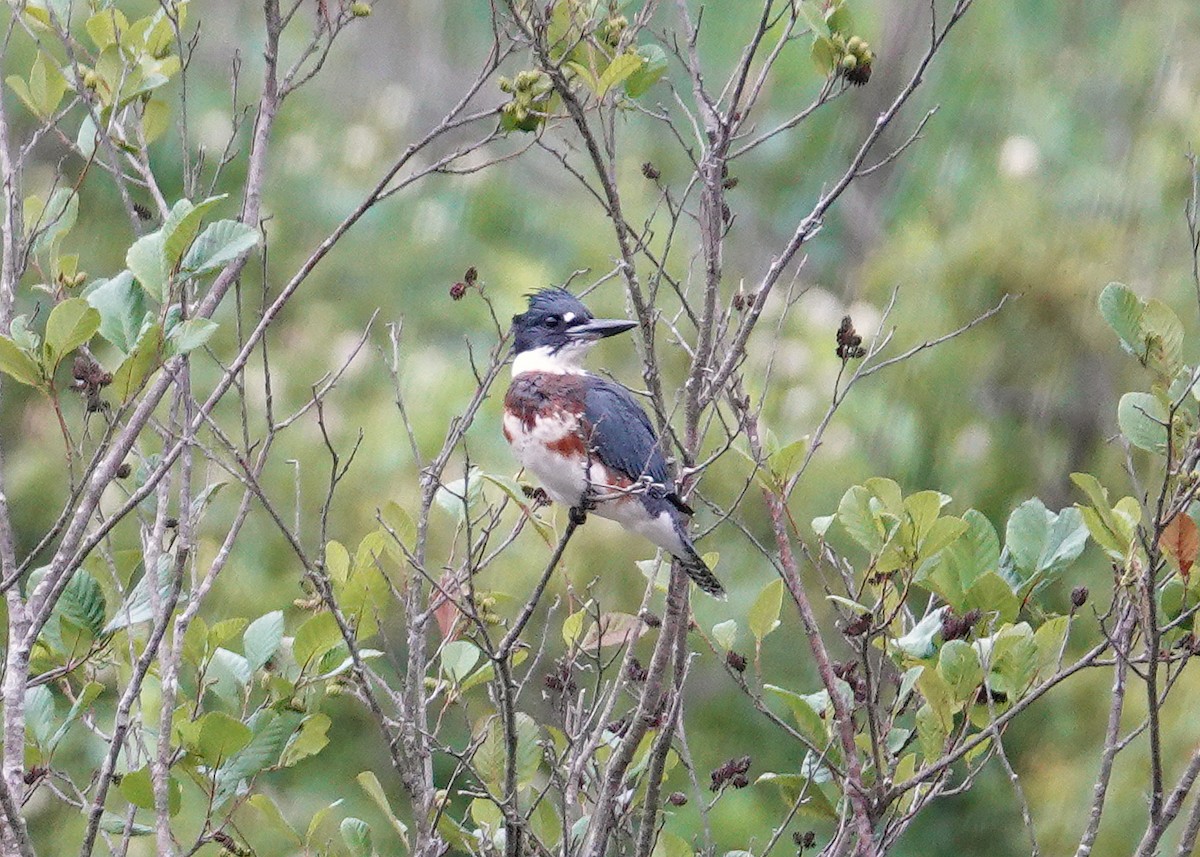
[(824, 55), (356, 833), (316, 636), (82, 604), (261, 640), (399, 522), (807, 711), (959, 665), (992, 593), (18, 364), (490, 757), (1143, 420), (137, 787), (156, 119), (310, 740), (21, 88), (460, 494), (1027, 534), (1122, 309), (53, 220), (670, 845), (122, 308), (137, 605), (218, 245), (1163, 335), (115, 824), (139, 364), (942, 534), (617, 72), (225, 630), (39, 714), (573, 626), (106, 27), (47, 86), (370, 784), (271, 732), (314, 824), (1050, 639), (180, 228), (919, 642), (147, 260), (653, 67), (1064, 542), (458, 659), (221, 737), (764, 612), (725, 633), (930, 732), (83, 701), (793, 787), (975, 553), (270, 812), (857, 515), (189, 335), (72, 323), (230, 673)]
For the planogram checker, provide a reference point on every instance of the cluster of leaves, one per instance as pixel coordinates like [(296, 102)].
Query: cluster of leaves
[(129, 63), (1164, 421), (243, 713), (596, 49), (137, 311), (967, 659), (835, 48)]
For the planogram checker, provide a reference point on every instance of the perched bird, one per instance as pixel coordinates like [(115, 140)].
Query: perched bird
[(585, 438)]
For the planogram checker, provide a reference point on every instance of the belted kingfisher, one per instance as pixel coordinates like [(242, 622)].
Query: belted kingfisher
[(585, 438)]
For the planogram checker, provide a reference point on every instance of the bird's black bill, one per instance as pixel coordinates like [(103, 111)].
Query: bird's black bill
[(598, 328)]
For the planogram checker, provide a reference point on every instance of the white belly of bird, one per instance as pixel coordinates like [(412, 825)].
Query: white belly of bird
[(565, 481)]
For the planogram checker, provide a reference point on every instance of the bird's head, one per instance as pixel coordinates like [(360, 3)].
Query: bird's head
[(556, 331)]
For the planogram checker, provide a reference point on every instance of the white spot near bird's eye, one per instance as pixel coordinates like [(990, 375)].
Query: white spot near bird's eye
[(568, 317)]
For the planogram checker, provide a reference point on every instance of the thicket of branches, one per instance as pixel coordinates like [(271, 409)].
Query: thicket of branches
[(519, 723)]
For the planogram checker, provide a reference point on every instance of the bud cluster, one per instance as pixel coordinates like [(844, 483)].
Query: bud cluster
[(856, 59), (849, 343), (732, 772), (90, 378), (957, 627), (531, 90)]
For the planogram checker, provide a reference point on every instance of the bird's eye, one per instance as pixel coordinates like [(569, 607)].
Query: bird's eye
[(552, 321)]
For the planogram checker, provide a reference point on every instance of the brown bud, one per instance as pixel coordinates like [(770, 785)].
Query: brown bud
[(730, 183), (849, 343), (1079, 596), (457, 291), (735, 661), (650, 620), (677, 799), (124, 470), (859, 625), (171, 523), (471, 276), (651, 172), (635, 671)]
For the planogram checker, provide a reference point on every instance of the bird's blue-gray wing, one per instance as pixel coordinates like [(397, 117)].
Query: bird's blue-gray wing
[(621, 434)]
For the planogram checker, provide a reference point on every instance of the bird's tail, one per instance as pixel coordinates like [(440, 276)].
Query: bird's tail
[(696, 568)]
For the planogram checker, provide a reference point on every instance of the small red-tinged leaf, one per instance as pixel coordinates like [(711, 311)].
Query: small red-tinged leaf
[(613, 629), (1181, 539), (445, 611)]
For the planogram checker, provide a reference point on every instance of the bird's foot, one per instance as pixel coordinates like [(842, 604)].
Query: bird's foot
[(578, 515)]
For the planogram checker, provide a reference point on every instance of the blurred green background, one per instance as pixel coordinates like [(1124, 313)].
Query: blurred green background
[(1055, 163)]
